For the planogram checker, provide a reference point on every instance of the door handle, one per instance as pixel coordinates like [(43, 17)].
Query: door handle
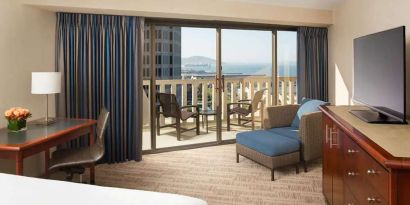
[(223, 83), (216, 82)]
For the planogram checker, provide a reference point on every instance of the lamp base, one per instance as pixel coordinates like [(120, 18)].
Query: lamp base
[(43, 121)]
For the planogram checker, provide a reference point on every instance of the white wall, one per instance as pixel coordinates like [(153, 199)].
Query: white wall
[(355, 18), (26, 45)]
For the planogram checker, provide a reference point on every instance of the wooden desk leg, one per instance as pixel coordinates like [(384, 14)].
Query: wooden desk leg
[(46, 163), (19, 164), (92, 167)]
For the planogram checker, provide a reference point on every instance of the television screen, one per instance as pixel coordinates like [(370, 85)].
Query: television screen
[(379, 72)]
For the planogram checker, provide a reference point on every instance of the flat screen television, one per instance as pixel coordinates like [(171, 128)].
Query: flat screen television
[(379, 76)]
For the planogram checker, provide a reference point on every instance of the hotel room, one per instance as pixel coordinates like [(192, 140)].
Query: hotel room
[(204, 102)]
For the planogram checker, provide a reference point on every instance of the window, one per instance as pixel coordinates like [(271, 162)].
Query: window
[(171, 35), (171, 72), (170, 59), (171, 47), (159, 47), (146, 47), (158, 32), (159, 72), (147, 32), (159, 59), (146, 59)]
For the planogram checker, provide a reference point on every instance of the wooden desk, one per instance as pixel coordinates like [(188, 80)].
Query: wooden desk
[(39, 138)]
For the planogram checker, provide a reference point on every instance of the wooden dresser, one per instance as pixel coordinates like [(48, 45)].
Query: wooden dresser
[(364, 163)]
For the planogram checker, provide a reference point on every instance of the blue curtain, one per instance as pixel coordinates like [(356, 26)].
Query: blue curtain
[(312, 63), (97, 55)]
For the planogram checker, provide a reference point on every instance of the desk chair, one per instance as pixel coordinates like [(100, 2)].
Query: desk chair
[(74, 161)]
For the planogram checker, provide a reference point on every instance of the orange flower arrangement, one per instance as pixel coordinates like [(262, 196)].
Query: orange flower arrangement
[(17, 113)]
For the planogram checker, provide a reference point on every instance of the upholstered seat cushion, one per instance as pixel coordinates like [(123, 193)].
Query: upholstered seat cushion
[(307, 106), (267, 142), (291, 132), (73, 157)]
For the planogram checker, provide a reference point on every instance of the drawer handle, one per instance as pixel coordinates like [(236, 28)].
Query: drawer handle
[(331, 133), (350, 203), (372, 200), (352, 151), (352, 174), (371, 172)]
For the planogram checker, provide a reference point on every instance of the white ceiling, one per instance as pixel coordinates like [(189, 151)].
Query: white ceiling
[(317, 4)]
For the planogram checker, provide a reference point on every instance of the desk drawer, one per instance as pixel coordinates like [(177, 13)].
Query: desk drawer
[(368, 195), (349, 198), (364, 172), (375, 174)]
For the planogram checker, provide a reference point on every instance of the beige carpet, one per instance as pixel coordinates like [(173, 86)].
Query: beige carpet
[(212, 174)]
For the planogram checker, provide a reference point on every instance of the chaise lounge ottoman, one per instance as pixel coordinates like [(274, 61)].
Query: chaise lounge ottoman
[(268, 148), (293, 134)]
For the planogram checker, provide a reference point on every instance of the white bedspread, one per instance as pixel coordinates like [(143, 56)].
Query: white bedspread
[(18, 190)]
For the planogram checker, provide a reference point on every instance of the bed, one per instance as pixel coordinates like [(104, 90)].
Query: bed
[(20, 190)]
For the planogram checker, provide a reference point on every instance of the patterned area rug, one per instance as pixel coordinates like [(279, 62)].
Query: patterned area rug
[(212, 174)]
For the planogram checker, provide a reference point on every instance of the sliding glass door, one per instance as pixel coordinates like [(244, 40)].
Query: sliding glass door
[(247, 72), (185, 67), (287, 67), (211, 75)]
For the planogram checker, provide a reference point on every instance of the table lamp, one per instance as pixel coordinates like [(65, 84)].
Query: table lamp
[(45, 83)]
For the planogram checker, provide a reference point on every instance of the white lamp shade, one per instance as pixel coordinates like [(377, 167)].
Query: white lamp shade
[(45, 82)]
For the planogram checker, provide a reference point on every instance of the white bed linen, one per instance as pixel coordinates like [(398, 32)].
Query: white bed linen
[(19, 190)]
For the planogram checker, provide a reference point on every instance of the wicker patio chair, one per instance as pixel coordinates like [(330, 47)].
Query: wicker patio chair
[(244, 108), (169, 107)]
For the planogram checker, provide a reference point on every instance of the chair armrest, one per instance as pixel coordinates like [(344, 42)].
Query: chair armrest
[(238, 103), (279, 116), (228, 106), (244, 100), (191, 106), (311, 135)]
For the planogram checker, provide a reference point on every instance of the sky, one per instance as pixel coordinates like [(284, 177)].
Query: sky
[(238, 46)]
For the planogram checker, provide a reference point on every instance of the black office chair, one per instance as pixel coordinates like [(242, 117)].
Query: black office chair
[(74, 161)]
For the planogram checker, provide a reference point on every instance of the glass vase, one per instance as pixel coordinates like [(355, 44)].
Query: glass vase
[(17, 125)]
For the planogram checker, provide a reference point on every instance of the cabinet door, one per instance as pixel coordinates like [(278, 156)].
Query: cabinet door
[(327, 161), (336, 141)]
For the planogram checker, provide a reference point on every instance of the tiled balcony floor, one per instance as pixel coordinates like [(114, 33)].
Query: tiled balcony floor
[(168, 137)]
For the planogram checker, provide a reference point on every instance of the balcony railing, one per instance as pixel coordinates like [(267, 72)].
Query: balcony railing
[(202, 92)]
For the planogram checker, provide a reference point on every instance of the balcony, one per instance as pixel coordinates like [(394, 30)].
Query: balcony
[(202, 92)]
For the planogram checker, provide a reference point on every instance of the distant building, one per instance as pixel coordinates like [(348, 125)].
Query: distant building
[(168, 50)]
